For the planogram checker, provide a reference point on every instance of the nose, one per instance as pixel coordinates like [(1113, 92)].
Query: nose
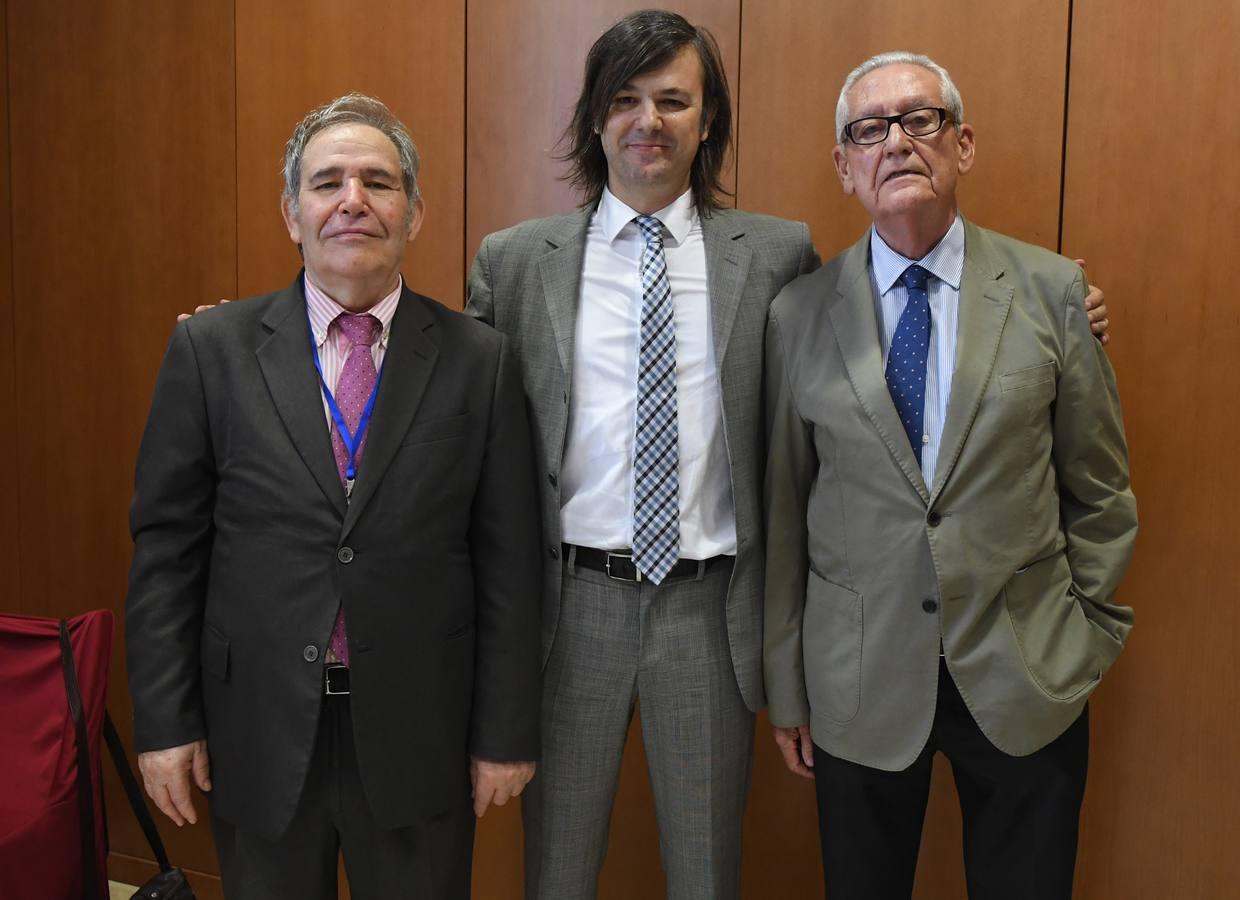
[(648, 117), (353, 197), (897, 139)]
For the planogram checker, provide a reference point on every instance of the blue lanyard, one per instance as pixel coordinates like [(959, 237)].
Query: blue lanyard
[(351, 441)]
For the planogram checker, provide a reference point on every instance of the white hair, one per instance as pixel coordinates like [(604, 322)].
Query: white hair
[(951, 96)]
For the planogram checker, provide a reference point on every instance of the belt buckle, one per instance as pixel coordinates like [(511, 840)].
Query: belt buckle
[(333, 690), (629, 557)]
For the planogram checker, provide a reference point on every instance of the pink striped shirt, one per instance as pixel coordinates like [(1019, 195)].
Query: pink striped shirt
[(323, 311)]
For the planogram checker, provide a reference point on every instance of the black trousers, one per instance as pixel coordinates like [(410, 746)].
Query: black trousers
[(425, 862), (1020, 814)]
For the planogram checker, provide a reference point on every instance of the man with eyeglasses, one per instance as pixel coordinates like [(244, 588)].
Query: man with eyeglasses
[(949, 515)]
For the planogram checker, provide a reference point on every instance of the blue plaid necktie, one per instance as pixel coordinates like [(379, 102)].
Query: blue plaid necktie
[(906, 362), (656, 504)]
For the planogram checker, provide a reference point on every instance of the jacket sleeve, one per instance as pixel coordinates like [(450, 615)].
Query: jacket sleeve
[(1097, 509), (505, 545), (790, 470), (171, 523)]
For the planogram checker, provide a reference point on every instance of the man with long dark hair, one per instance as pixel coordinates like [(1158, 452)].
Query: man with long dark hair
[(639, 322)]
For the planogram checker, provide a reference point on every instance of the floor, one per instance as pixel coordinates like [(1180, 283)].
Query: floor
[(120, 891)]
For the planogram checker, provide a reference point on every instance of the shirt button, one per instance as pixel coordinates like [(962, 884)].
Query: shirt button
[(929, 605), (310, 653), (345, 555), (925, 438), (934, 519)]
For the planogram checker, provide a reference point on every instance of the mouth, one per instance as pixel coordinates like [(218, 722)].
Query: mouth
[(352, 233), (905, 173)]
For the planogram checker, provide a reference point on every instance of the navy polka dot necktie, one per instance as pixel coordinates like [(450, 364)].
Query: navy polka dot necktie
[(906, 362)]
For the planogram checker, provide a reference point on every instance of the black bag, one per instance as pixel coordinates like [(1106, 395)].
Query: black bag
[(170, 883)]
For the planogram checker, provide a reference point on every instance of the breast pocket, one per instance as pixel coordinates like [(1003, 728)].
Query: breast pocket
[(443, 429)]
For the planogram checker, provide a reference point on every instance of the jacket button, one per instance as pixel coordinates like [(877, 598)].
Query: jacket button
[(553, 552), (934, 519), (310, 653), (551, 478), (929, 605), (345, 555)]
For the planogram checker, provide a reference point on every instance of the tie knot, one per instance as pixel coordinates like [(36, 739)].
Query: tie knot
[(651, 229), (363, 329), (915, 278)]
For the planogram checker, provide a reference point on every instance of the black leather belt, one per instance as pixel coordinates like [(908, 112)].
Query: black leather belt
[(618, 564), (335, 680)]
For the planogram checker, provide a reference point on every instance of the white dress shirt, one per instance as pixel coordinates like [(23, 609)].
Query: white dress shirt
[(945, 262), (597, 474)]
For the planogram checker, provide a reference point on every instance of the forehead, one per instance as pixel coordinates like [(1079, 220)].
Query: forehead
[(892, 89), (683, 72), (351, 143)]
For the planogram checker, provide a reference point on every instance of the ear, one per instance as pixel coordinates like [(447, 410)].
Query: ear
[(290, 220), (843, 169), (967, 149), (415, 223)]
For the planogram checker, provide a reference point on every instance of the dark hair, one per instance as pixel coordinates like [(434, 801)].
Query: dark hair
[(638, 43)]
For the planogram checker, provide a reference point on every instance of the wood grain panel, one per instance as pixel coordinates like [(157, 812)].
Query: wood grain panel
[(1007, 59), (1151, 200), (11, 597), (525, 67), (121, 127), (293, 55)]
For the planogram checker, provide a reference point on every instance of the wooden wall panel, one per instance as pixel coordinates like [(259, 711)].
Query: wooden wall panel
[(525, 67), (122, 182), (1151, 202), (11, 597), (1008, 61), (292, 56)]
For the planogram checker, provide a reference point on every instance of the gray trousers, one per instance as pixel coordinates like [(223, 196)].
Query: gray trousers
[(618, 644)]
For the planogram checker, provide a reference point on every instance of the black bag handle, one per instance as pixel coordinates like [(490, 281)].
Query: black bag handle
[(86, 790), (134, 793)]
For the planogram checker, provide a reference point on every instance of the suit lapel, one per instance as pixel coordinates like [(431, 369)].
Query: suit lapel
[(407, 366), (985, 300), (856, 331), (727, 267), (560, 270), (285, 360)]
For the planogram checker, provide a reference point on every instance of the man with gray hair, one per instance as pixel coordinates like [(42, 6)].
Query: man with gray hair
[(332, 620), (949, 515)]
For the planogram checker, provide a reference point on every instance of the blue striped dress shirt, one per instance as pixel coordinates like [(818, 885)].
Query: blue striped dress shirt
[(945, 262)]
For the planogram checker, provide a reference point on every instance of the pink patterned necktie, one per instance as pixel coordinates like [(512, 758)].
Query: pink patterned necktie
[(357, 380)]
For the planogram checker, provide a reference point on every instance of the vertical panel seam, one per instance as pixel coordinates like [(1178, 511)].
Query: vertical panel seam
[(8, 174), (236, 291), (463, 271), (736, 120), (1063, 148)]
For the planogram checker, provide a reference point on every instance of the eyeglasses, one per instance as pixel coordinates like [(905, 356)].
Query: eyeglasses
[(916, 123)]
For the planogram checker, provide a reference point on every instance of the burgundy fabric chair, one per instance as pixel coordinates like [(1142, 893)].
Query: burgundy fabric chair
[(41, 833)]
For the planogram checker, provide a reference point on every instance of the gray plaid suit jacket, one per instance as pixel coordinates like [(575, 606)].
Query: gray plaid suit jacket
[(525, 281)]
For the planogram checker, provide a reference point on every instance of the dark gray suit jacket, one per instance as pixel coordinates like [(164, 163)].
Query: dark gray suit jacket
[(244, 547), (526, 282)]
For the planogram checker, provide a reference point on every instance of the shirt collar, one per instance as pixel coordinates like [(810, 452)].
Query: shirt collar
[(323, 310), (945, 260), (678, 217)]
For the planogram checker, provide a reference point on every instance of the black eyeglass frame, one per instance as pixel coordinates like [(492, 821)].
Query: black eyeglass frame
[(898, 119)]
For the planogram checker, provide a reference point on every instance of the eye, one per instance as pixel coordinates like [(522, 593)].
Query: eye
[(673, 104), (326, 186), (623, 102)]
